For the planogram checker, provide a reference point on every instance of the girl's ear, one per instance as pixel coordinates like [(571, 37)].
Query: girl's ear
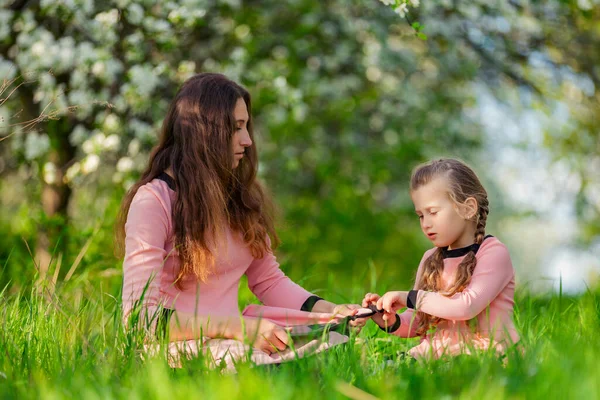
[(470, 208)]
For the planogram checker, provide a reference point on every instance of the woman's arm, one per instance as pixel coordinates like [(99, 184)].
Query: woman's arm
[(146, 231), (272, 286), (260, 333)]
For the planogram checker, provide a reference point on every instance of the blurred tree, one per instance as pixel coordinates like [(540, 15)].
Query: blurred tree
[(542, 55), (346, 96), (339, 96)]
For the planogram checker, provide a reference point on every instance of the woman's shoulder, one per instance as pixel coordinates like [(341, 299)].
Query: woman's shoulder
[(153, 196)]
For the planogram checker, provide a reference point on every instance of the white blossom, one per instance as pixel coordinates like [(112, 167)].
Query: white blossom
[(88, 146), (280, 82), (373, 73), (79, 97), (143, 79), (108, 18), (90, 163), (49, 173), (38, 49), (98, 68), (112, 142), (72, 172), (36, 145), (86, 52), (7, 69), (584, 4), (401, 10), (112, 69), (122, 3), (128, 184), (111, 123), (140, 129), (125, 164), (64, 50), (134, 147), (5, 16), (78, 135), (117, 177), (135, 13)]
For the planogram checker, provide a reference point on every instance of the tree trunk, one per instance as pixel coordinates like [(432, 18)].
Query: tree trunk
[(55, 198)]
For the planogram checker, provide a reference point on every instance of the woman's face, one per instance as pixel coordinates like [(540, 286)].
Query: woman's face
[(241, 136)]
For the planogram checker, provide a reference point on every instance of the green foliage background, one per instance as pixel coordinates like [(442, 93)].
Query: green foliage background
[(346, 96)]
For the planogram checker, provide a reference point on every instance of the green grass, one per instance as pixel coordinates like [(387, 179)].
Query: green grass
[(71, 344)]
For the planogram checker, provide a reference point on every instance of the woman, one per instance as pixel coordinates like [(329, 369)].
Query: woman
[(198, 220)]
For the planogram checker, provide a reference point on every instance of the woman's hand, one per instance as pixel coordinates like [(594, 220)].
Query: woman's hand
[(346, 310), (349, 310), (390, 303), (265, 336)]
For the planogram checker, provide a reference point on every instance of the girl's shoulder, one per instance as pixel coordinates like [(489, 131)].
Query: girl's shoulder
[(492, 244)]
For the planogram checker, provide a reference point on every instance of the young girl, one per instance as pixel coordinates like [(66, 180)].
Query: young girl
[(463, 295), (198, 220)]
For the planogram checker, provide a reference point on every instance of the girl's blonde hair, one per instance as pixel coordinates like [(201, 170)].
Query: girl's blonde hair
[(462, 184)]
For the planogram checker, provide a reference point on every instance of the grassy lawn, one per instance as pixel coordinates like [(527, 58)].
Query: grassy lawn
[(71, 345)]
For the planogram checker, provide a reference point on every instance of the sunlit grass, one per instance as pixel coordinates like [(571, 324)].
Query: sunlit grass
[(72, 344)]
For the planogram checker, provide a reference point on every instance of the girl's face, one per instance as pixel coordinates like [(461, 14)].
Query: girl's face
[(443, 221), (241, 137)]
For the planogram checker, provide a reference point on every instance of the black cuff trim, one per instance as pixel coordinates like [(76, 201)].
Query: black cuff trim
[(393, 328), (411, 300), (463, 251), (310, 303)]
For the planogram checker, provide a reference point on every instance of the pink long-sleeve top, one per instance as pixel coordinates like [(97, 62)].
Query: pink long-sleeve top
[(479, 317), (152, 263)]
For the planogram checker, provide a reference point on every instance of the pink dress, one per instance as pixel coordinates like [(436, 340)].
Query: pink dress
[(152, 263), (478, 318)]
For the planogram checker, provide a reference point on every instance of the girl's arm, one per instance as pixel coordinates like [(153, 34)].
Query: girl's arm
[(493, 272), (274, 288), (408, 320)]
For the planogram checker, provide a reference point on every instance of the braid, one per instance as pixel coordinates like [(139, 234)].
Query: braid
[(465, 269), (431, 281), (481, 220)]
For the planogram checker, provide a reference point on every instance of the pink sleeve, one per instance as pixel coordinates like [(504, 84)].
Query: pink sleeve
[(146, 231), (272, 286), (409, 321), (493, 272)]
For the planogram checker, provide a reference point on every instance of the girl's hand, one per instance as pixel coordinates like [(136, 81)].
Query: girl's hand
[(265, 335), (348, 310), (371, 298), (390, 303)]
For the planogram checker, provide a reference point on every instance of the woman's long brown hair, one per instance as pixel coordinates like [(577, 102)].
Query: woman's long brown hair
[(462, 183), (195, 142)]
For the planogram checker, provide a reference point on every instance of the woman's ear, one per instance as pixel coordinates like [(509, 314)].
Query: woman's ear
[(470, 208)]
